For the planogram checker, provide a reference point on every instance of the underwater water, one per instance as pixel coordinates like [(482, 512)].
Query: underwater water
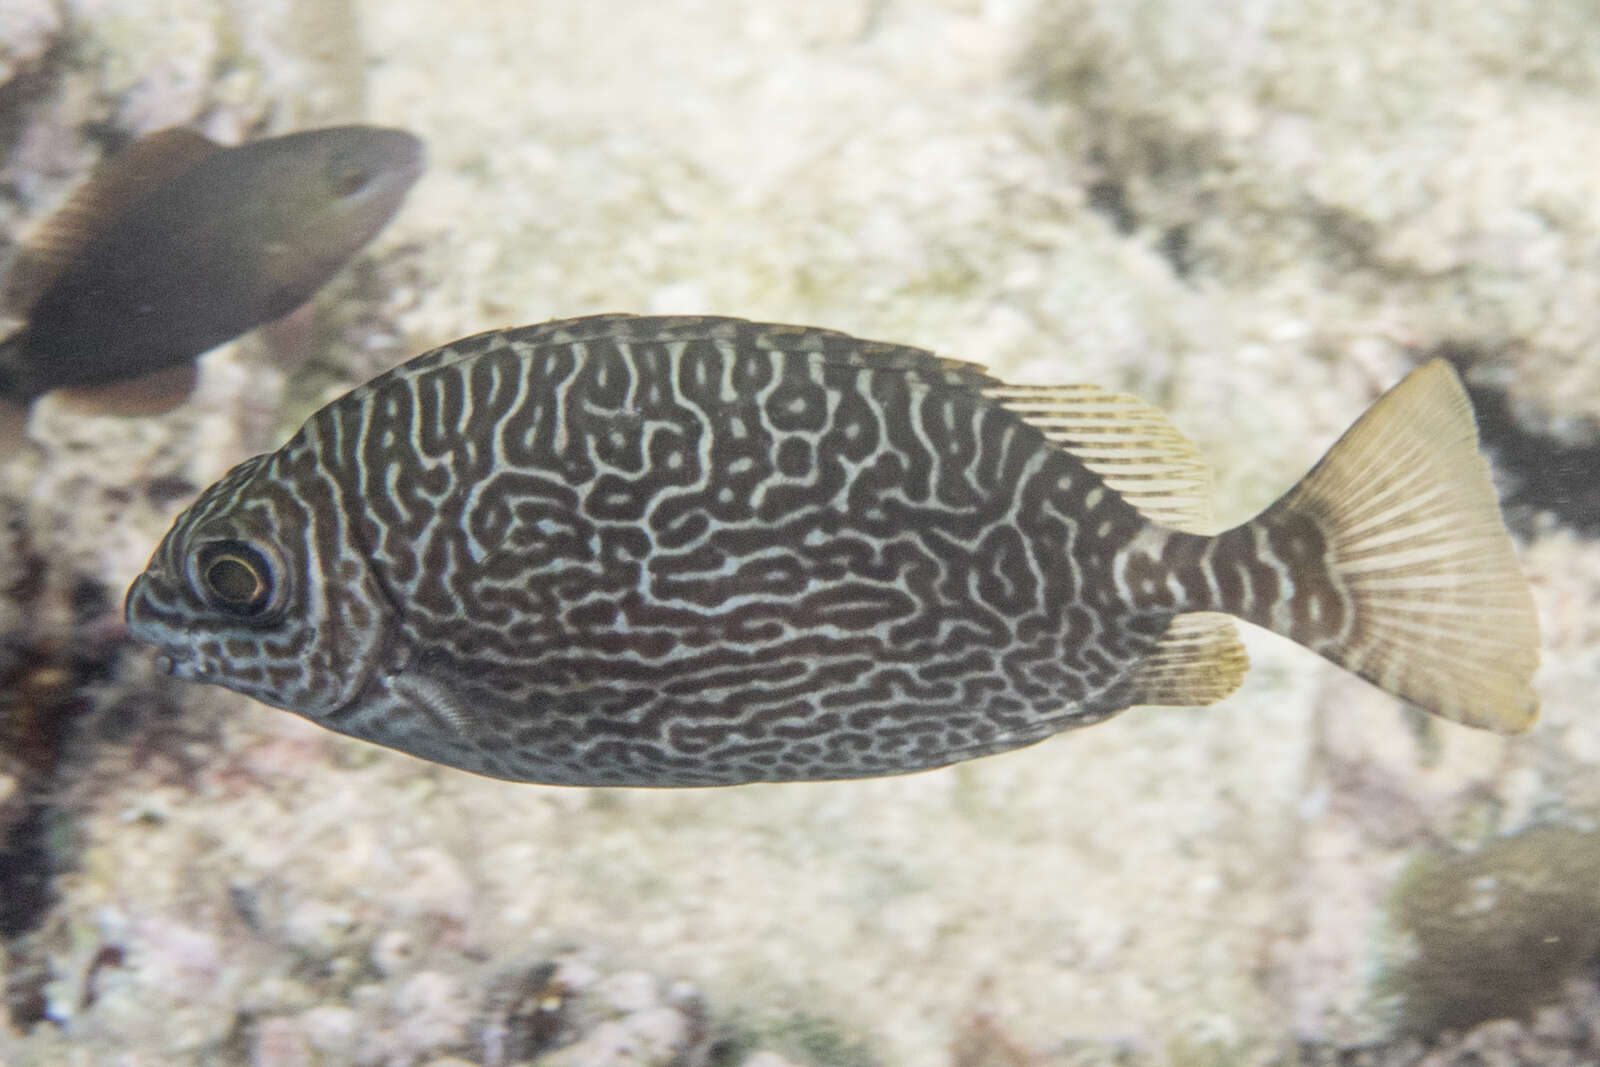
[(1255, 217)]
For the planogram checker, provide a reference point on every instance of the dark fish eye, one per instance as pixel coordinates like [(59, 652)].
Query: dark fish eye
[(235, 577), (347, 177)]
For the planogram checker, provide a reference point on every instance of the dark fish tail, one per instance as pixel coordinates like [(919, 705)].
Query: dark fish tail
[(1390, 558), (14, 396), (13, 385)]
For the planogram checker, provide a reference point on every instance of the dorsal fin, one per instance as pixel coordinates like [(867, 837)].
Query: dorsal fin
[(842, 348), (1128, 443), (832, 345), (119, 182), (1124, 440), (1199, 660), (622, 327)]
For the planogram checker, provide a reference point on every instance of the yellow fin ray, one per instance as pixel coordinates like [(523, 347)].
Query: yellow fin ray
[(1199, 660), (1127, 442)]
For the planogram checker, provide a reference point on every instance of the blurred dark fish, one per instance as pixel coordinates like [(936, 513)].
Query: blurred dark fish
[(703, 551), (179, 244)]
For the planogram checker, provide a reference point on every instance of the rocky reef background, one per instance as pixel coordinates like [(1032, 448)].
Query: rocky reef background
[(1255, 214)]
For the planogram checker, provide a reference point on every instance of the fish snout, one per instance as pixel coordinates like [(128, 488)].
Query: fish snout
[(136, 607), (146, 622)]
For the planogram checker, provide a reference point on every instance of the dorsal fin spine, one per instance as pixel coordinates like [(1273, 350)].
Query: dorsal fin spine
[(1129, 444), (116, 184)]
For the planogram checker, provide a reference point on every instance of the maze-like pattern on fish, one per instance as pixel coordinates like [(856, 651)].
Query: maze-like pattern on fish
[(719, 551)]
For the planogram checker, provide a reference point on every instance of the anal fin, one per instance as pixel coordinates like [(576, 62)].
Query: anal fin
[(151, 394), (13, 429), (1199, 660)]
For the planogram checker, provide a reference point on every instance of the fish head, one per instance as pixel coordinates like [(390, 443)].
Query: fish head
[(319, 198), (362, 173), (257, 588)]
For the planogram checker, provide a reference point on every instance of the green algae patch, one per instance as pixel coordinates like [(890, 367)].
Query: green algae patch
[(818, 1040), (1496, 932)]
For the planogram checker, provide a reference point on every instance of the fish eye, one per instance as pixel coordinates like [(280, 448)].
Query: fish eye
[(234, 577), (347, 176)]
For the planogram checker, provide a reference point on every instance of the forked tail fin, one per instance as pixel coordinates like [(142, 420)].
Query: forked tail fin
[(1391, 559)]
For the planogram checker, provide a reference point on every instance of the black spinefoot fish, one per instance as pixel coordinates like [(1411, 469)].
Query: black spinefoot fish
[(699, 551), (179, 244)]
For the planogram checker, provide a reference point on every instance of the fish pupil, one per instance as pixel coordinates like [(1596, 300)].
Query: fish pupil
[(349, 179)]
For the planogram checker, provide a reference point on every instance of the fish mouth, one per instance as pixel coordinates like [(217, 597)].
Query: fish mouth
[(168, 663), (413, 156), (178, 663), (134, 610), (404, 159)]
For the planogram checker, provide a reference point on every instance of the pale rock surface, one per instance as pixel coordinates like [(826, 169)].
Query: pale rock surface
[(27, 28)]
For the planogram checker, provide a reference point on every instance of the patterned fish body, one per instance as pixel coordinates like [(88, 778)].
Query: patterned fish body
[(698, 551), (181, 244)]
